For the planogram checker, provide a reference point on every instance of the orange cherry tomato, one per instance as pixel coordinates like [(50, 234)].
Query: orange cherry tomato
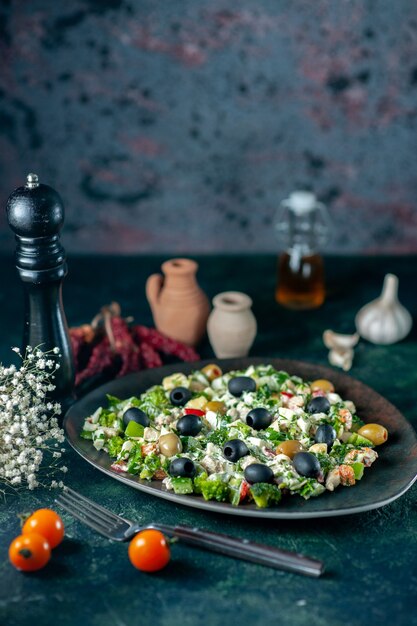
[(149, 551), (29, 552), (47, 523)]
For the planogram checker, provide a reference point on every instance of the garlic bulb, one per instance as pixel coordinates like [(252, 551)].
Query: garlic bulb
[(384, 320)]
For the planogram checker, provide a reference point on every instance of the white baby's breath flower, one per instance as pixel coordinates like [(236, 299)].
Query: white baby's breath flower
[(29, 430)]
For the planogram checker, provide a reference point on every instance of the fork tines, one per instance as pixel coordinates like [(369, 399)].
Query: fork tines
[(97, 517)]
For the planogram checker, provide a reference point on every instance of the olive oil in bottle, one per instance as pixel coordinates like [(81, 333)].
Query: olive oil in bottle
[(303, 225)]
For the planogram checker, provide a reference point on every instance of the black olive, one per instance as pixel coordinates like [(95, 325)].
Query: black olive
[(319, 404), (180, 396), (258, 473), (135, 415), (190, 425), (240, 384), (181, 466), (259, 418), (306, 464), (234, 449), (325, 433)]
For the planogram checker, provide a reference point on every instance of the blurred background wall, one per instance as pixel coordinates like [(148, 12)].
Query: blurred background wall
[(179, 125)]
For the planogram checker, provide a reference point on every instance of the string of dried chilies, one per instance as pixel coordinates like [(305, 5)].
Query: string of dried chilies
[(111, 347)]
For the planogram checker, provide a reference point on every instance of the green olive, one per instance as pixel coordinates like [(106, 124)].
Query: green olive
[(216, 407), (289, 448), (170, 444), (375, 433), (323, 385), (212, 371)]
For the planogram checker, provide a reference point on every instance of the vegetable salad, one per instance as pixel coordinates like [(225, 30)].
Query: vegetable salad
[(251, 435)]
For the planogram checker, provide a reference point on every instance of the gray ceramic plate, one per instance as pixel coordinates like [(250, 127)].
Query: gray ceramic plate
[(389, 478)]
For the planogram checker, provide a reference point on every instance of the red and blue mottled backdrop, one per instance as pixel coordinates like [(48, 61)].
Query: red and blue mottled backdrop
[(178, 126)]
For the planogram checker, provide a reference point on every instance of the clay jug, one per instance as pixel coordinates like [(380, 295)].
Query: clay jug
[(180, 308), (232, 325)]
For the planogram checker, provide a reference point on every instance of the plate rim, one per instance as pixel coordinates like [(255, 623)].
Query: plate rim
[(226, 508)]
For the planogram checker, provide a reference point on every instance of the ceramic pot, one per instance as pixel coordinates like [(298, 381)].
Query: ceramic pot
[(179, 307), (232, 325)]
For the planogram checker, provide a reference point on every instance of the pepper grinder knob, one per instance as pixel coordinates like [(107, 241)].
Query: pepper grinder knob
[(35, 213)]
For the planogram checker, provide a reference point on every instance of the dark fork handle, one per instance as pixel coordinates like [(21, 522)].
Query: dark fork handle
[(245, 550)]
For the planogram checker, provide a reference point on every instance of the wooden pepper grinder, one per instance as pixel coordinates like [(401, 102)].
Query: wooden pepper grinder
[(35, 213)]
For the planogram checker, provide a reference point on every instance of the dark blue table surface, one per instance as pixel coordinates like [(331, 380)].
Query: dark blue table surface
[(370, 558)]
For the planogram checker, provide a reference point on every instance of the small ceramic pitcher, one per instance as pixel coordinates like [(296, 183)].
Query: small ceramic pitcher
[(231, 326), (179, 307)]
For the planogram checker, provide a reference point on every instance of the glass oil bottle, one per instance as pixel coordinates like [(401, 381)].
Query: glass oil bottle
[(303, 225)]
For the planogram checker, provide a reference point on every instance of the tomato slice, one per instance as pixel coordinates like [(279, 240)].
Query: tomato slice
[(244, 490), (198, 412), (287, 393)]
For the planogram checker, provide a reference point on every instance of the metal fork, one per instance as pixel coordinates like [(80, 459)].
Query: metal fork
[(118, 528)]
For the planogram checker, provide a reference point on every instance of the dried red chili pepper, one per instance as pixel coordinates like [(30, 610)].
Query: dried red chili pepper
[(164, 344), (80, 336), (130, 362), (123, 345), (108, 346), (149, 357), (100, 359)]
